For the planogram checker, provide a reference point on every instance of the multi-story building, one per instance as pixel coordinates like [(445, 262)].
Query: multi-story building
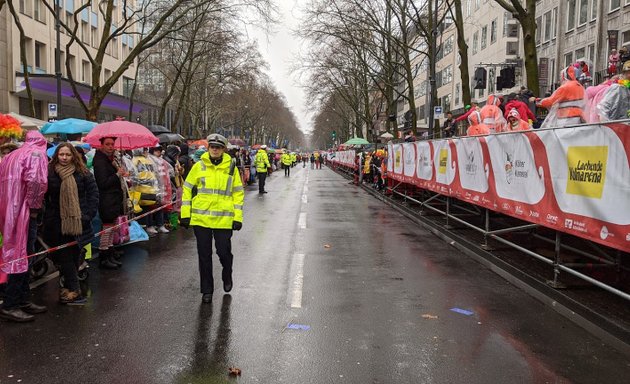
[(572, 30), (39, 27)]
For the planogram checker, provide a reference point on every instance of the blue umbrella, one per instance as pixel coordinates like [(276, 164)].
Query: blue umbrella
[(68, 126)]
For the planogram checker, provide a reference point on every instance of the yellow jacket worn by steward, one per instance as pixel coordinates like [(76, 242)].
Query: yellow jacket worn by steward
[(219, 195), (293, 157), (286, 159), (261, 161)]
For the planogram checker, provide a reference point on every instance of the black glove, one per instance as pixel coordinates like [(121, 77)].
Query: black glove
[(184, 222), (237, 225)]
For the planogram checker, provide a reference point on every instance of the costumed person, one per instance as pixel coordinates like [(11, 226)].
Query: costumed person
[(172, 157), (145, 190), (112, 188), (594, 96), (164, 173), (613, 62), (214, 212), (475, 125), (491, 114), (515, 123), (261, 161), (567, 103), (287, 163), (523, 110), (616, 102), (23, 183), (71, 203)]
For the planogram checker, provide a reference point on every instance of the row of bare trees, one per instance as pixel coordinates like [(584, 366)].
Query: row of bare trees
[(188, 56), (366, 55)]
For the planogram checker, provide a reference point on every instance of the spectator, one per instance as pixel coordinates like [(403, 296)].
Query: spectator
[(177, 180), (164, 173), (616, 103), (109, 174), (566, 105), (476, 127), (71, 204), (448, 127), (184, 159), (312, 160), (624, 55), (7, 148), (23, 182), (613, 62)]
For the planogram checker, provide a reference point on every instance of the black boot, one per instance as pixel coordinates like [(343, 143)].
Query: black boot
[(104, 257), (115, 256)]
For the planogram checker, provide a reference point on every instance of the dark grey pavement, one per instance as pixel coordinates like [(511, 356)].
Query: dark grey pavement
[(330, 286)]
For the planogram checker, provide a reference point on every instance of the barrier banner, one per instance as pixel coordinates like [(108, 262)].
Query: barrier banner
[(574, 180), (345, 158)]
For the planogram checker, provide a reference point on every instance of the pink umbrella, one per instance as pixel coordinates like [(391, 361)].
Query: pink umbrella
[(128, 135)]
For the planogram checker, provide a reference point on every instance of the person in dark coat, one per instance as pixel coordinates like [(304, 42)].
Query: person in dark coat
[(184, 159), (108, 173), (71, 202)]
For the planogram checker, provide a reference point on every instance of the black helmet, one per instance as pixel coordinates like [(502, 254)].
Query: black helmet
[(216, 139)]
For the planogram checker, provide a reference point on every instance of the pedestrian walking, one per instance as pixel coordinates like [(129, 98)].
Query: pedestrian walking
[(262, 165), (215, 211), (23, 182), (109, 175), (287, 163), (312, 160), (71, 203)]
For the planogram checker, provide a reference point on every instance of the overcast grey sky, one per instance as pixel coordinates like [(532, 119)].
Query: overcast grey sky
[(281, 49)]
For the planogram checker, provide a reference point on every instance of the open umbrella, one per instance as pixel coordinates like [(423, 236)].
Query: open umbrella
[(170, 138), (357, 141), (387, 135), (68, 126), (256, 146), (128, 135), (199, 143), (157, 129), (237, 142)]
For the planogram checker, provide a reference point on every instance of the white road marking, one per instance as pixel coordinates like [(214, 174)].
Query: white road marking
[(304, 199), (298, 281), (302, 220)]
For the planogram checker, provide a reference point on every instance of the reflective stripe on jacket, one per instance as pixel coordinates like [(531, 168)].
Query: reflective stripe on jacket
[(219, 195), (286, 159), (261, 161)]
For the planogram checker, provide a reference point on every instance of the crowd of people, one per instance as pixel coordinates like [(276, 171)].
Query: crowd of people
[(575, 101), (63, 194)]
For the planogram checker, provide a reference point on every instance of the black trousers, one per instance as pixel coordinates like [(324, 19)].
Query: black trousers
[(262, 176), (223, 244), (17, 291), (287, 170)]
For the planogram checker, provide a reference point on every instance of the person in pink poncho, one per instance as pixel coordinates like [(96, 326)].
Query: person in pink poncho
[(23, 183)]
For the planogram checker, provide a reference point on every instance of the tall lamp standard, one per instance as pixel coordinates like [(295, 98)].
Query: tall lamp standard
[(58, 56)]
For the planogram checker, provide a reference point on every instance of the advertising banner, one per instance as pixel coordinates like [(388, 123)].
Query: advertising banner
[(574, 180)]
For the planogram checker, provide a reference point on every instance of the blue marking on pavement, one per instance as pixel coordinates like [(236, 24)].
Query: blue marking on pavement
[(463, 311), (299, 327)]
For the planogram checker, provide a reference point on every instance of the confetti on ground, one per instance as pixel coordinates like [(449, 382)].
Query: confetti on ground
[(233, 371), (300, 327), (428, 316), (463, 311)]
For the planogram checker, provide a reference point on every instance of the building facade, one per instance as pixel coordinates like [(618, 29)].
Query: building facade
[(38, 23)]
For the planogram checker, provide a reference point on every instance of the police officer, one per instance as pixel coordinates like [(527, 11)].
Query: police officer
[(262, 165), (212, 203), (287, 163)]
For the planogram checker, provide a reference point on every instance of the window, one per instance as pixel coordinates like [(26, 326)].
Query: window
[(71, 63), (568, 59), (40, 57), (448, 45), (591, 53), (493, 31), (511, 48), (614, 5), (446, 103), (447, 75), (457, 91), (85, 32), (477, 4), (538, 29), (580, 54), (547, 26), (85, 71), (95, 37), (475, 42), (506, 18), (554, 22), (513, 30), (39, 11), (583, 16), (484, 37), (594, 9), (571, 15), (625, 37), (468, 7), (26, 7)]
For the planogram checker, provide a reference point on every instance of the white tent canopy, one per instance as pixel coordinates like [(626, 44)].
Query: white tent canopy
[(26, 122)]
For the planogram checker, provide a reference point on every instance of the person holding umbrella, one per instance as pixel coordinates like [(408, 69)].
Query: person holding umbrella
[(214, 212)]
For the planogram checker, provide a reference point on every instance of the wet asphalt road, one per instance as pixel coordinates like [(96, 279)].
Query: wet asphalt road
[(330, 286)]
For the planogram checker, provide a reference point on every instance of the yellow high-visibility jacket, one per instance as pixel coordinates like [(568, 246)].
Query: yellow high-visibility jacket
[(293, 157), (219, 195), (286, 159), (261, 161)]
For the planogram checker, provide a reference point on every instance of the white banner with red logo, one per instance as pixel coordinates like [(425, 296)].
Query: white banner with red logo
[(345, 158), (574, 180)]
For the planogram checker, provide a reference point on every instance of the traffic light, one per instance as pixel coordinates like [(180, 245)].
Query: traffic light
[(507, 78), (480, 78)]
